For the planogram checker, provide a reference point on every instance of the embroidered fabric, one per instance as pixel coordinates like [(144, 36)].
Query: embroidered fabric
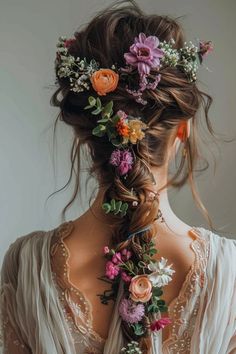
[(183, 309), (78, 310), (76, 306)]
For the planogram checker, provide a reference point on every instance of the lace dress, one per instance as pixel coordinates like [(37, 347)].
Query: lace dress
[(41, 312), (78, 312)]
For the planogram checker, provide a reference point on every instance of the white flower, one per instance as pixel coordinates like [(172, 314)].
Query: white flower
[(161, 273)]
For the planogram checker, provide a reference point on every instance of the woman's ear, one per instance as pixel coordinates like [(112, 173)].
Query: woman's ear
[(183, 130)]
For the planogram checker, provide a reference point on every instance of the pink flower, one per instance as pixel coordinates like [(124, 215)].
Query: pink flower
[(116, 259), (123, 160), (112, 270), (122, 114), (106, 249), (159, 324), (205, 47), (126, 254), (131, 312), (144, 53), (127, 278)]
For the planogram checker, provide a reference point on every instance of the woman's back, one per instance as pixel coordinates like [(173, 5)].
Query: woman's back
[(85, 265), (199, 311)]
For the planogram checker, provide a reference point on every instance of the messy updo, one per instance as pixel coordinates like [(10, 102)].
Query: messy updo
[(106, 38)]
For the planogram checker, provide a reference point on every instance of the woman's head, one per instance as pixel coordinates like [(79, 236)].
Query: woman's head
[(105, 39), (175, 100)]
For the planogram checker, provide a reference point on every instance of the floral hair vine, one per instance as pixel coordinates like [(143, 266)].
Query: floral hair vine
[(143, 277)]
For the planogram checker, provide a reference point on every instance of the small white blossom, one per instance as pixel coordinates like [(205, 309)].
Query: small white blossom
[(161, 273)]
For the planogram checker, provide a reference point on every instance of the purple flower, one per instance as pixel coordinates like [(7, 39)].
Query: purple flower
[(116, 157), (144, 53), (130, 311), (123, 160)]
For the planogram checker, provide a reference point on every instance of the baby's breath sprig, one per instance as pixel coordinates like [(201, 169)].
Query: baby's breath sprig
[(131, 348), (186, 58), (76, 69)]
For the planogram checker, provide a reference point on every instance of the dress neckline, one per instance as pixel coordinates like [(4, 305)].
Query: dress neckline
[(65, 229)]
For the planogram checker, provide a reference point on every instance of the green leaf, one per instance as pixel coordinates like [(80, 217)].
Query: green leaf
[(103, 120), (107, 110), (92, 100), (99, 103), (97, 111), (115, 142), (138, 329), (106, 207), (98, 131), (124, 209), (163, 309), (87, 107), (152, 251), (113, 204), (118, 205), (157, 291), (153, 308), (115, 119)]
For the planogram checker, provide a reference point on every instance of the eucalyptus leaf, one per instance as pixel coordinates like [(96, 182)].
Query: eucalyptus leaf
[(92, 100), (99, 103), (97, 111), (113, 204), (106, 207)]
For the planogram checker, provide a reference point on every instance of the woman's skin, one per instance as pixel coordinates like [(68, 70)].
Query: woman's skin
[(91, 234)]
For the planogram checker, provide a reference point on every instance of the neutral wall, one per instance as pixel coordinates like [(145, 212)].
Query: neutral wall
[(29, 30)]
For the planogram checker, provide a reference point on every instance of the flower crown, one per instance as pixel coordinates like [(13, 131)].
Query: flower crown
[(141, 305), (146, 57)]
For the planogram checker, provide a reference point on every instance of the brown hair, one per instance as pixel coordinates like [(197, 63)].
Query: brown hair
[(106, 38)]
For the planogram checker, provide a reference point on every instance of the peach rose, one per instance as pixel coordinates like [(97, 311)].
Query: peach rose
[(104, 81), (140, 288)]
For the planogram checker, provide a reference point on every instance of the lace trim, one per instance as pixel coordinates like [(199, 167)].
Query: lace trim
[(180, 310), (78, 308)]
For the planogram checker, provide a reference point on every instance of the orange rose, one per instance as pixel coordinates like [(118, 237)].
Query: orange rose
[(140, 288), (104, 81)]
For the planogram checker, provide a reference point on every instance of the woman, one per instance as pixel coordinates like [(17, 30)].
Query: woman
[(127, 276)]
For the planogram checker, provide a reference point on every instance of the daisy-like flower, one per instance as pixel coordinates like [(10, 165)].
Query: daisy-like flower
[(161, 273), (144, 53), (130, 311)]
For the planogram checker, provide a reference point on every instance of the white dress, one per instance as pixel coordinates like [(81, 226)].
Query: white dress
[(42, 313)]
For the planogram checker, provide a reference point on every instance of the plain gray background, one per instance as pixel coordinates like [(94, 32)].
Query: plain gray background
[(29, 30)]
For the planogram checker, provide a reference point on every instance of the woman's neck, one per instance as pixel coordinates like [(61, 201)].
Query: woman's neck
[(94, 216), (171, 220)]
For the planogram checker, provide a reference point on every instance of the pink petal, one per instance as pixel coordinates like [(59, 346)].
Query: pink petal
[(142, 37), (130, 58), (143, 68), (152, 42), (157, 52)]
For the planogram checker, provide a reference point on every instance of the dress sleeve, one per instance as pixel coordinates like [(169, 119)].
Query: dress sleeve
[(11, 338)]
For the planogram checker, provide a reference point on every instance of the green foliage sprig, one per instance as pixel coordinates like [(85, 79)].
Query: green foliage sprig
[(116, 207)]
